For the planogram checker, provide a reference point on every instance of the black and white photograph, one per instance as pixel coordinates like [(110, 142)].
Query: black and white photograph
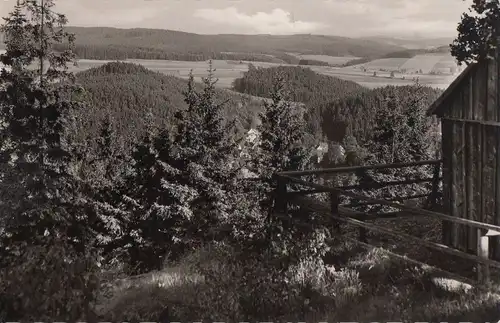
[(249, 161)]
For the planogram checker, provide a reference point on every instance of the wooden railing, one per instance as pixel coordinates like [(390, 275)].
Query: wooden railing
[(344, 213)]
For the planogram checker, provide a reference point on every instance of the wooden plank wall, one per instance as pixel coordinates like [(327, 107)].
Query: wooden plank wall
[(471, 157), (493, 143), (447, 136)]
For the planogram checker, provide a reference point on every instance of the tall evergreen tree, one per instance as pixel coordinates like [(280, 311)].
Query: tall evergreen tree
[(281, 148), (35, 106), (282, 132), (402, 130), (178, 194), (204, 137)]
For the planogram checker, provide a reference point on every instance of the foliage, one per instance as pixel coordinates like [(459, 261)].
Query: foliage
[(402, 131), (61, 285), (281, 148), (360, 112), (478, 34), (282, 131), (34, 111)]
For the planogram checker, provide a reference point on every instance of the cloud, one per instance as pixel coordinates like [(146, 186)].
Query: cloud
[(277, 21), (122, 13), (109, 13), (398, 16)]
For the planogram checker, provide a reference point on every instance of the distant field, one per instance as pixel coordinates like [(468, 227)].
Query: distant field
[(333, 60), (382, 64), (428, 63), (425, 63), (228, 71)]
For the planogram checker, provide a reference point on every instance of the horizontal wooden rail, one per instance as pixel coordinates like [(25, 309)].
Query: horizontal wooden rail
[(368, 186), (416, 262), (306, 192), (405, 198), (390, 183), (413, 210), (355, 168), (404, 236), (346, 211)]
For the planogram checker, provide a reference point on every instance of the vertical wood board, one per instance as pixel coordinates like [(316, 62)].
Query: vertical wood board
[(457, 182), (446, 131)]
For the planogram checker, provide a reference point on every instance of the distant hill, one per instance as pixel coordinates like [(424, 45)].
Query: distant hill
[(334, 107), (115, 43), (304, 85), (127, 91), (412, 43)]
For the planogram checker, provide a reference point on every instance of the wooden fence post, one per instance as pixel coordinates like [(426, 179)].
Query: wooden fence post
[(435, 186), (281, 204), (483, 241), (482, 270), (334, 208)]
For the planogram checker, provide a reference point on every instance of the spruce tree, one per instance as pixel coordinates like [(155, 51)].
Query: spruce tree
[(179, 193), (203, 137), (35, 106), (51, 212), (158, 204), (281, 148), (282, 132)]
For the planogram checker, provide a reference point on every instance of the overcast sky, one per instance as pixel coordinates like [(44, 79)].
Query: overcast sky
[(352, 18)]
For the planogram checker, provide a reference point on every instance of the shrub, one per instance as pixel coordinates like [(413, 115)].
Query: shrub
[(49, 281)]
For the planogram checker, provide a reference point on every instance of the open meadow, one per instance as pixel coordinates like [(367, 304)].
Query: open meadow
[(228, 71)]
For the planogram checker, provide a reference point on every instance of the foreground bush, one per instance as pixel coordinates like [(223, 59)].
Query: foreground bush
[(231, 283), (49, 281)]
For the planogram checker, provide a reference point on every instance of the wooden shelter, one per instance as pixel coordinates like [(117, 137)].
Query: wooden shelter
[(469, 111)]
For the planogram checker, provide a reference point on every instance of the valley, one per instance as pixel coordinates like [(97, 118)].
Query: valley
[(366, 61)]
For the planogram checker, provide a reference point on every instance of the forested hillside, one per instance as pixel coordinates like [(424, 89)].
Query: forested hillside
[(333, 104), (114, 43), (127, 92), (304, 84), (359, 110)]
